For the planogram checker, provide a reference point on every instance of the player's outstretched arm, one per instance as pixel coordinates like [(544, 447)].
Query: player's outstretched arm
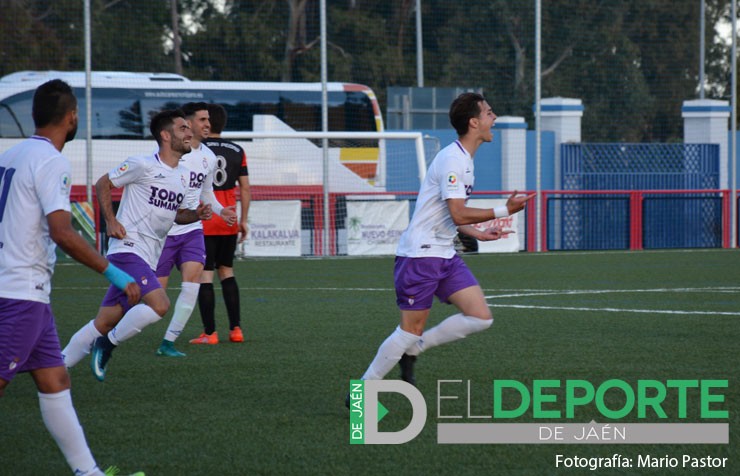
[(489, 234), (67, 238)]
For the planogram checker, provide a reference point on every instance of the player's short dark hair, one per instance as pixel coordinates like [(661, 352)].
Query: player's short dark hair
[(191, 108), (51, 102), (465, 107), (164, 120), (217, 116)]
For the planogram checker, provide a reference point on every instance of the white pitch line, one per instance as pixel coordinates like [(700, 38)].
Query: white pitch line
[(553, 292), (611, 309)]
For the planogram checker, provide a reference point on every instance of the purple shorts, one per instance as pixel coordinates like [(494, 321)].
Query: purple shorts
[(28, 338), (139, 270), (418, 280), (179, 249)]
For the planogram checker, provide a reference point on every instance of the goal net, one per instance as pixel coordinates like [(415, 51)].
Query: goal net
[(326, 194)]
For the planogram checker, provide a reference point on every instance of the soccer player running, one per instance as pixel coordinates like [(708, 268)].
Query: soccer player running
[(153, 199), (220, 237), (426, 263), (34, 218), (185, 247)]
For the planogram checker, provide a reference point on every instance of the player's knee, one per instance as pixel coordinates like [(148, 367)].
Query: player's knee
[(416, 328), (105, 324), (483, 313), (161, 307), (53, 381)]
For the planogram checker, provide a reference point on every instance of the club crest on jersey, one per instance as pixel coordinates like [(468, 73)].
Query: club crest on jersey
[(452, 181), (205, 164), (123, 167), (144, 281)]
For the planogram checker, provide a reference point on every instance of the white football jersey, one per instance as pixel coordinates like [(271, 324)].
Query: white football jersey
[(153, 192), (35, 180), (431, 231), (201, 164)]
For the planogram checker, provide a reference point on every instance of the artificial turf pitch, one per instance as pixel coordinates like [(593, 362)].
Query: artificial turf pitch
[(275, 404)]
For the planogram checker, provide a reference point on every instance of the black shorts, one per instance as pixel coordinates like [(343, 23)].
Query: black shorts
[(220, 251)]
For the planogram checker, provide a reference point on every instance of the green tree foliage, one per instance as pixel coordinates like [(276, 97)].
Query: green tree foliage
[(632, 62), (26, 43)]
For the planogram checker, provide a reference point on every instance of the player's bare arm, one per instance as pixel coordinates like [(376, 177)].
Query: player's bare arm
[(185, 215), (66, 237), (489, 234), (245, 197), (103, 189), (229, 214), (516, 202), (464, 215)]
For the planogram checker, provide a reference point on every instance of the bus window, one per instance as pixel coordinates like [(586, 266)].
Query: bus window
[(15, 116), (358, 111), (150, 107), (241, 106), (113, 119)]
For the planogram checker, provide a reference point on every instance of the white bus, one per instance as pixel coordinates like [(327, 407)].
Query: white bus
[(123, 103)]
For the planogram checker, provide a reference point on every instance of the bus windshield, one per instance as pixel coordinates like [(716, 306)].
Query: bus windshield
[(120, 113)]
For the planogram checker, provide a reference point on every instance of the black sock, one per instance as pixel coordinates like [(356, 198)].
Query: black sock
[(230, 290), (207, 306), (105, 343)]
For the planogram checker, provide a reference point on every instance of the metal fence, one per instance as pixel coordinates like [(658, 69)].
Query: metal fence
[(677, 206)]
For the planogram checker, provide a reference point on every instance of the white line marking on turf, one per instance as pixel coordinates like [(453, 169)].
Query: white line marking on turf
[(553, 292), (610, 309)]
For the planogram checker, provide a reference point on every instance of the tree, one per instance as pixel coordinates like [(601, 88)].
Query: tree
[(27, 43)]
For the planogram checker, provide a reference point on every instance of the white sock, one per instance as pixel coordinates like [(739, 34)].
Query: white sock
[(389, 353), (80, 344), (136, 319), (61, 420), (455, 327), (183, 309)]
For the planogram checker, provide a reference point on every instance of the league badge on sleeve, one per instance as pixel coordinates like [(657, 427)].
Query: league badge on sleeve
[(65, 183), (453, 183)]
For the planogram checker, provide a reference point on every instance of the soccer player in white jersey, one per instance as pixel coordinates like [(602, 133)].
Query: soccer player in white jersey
[(153, 199), (185, 246), (426, 263), (35, 181)]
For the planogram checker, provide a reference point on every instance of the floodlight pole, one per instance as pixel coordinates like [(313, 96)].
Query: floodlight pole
[(733, 128), (324, 128), (419, 48), (537, 117), (88, 103), (702, 33)]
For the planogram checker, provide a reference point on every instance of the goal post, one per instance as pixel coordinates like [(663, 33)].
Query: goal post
[(293, 166)]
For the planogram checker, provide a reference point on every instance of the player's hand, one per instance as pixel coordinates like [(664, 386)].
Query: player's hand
[(229, 214), (115, 229), (494, 233), (133, 293), (204, 212), (243, 231), (516, 203)]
